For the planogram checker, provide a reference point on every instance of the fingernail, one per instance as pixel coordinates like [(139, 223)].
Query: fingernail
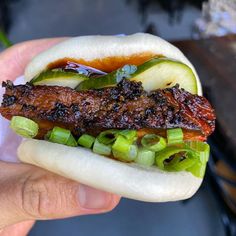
[(91, 198)]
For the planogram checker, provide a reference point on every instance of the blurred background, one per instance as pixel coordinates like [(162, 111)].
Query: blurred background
[(205, 32)]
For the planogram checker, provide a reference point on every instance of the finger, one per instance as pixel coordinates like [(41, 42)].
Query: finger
[(14, 60), (28, 192), (19, 229)]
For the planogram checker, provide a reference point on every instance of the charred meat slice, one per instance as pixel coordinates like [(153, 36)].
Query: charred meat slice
[(126, 106)]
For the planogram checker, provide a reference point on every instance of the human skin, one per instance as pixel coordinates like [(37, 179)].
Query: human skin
[(29, 193)]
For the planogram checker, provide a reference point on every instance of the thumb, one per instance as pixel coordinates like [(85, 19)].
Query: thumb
[(28, 192)]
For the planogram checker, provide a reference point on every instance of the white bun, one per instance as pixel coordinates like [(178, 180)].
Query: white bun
[(127, 180), (89, 48)]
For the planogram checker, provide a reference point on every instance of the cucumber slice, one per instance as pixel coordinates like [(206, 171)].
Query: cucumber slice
[(109, 80), (59, 78), (163, 73)]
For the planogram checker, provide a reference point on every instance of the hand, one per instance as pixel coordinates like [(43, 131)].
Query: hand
[(28, 193)]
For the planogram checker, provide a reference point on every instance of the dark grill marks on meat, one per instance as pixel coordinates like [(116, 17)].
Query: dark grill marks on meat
[(8, 100), (126, 106)]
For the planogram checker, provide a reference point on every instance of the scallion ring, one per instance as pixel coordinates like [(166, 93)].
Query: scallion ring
[(130, 135), (108, 136), (86, 140), (123, 150), (71, 141), (61, 136), (179, 163), (165, 155), (24, 126), (153, 142), (175, 136), (203, 149), (145, 157), (198, 169), (101, 148)]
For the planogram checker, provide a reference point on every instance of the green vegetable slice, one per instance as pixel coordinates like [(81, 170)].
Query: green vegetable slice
[(172, 151), (130, 135), (153, 142), (108, 80), (145, 157), (191, 156), (202, 149), (71, 141), (101, 148), (127, 156), (24, 126), (179, 164), (175, 136), (61, 136), (108, 136), (59, 78), (86, 140), (163, 73), (123, 149), (198, 169)]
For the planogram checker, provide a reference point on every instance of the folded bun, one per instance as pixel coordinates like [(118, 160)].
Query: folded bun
[(128, 180), (108, 53)]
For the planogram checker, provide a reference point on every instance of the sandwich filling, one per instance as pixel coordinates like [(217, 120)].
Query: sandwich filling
[(114, 116)]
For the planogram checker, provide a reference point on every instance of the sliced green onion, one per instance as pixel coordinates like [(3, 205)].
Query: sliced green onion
[(203, 149), (61, 136), (175, 136), (130, 135), (71, 141), (179, 164), (24, 126), (101, 148), (198, 169), (86, 140), (168, 152), (128, 156), (191, 156), (153, 142), (145, 157), (121, 144), (123, 150), (108, 136)]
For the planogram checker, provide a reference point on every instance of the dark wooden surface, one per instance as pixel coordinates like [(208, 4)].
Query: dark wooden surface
[(215, 62)]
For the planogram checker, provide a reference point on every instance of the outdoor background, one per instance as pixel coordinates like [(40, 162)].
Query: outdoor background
[(172, 20)]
